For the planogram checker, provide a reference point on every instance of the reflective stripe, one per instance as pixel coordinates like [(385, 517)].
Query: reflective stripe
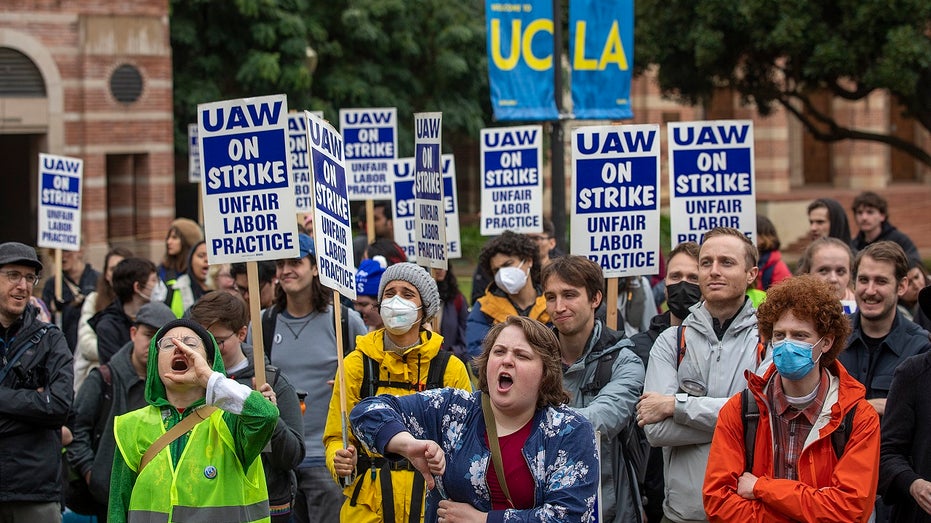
[(253, 512), (146, 516)]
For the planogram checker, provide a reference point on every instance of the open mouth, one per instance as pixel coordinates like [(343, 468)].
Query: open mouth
[(505, 382), (179, 364)]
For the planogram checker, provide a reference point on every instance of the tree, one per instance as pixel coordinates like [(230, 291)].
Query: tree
[(223, 49), (416, 55), (781, 53)]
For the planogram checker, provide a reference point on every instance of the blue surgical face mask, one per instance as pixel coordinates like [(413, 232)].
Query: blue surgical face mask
[(792, 358)]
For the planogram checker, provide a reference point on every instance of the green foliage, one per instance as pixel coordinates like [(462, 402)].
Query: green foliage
[(416, 55), (778, 53), (230, 49)]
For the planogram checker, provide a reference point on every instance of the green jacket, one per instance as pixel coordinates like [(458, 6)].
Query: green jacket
[(243, 435)]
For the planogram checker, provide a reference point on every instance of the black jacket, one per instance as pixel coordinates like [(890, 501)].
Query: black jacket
[(905, 454), (112, 328), (287, 444), (643, 341), (888, 233), (70, 305), (31, 421), (93, 446), (906, 339)]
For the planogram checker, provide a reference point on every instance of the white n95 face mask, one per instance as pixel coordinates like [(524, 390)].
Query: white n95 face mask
[(398, 314), (511, 279)]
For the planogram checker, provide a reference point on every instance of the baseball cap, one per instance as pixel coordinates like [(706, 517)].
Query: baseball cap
[(306, 245), (155, 314)]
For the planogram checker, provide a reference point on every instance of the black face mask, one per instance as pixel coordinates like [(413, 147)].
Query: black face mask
[(680, 296)]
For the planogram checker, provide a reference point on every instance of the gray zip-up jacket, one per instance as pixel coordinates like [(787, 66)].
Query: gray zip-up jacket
[(686, 436), (609, 410)]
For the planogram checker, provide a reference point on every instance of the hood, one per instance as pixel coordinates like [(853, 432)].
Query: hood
[(840, 228), (700, 319), (406, 365), (154, 388), (850, 390)]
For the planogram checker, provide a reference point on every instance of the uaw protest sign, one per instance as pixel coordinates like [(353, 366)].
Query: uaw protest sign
[(247, 185), (60, 183), (371, 138), (332, 225), (615, 189), (711, 178), (512, 184)]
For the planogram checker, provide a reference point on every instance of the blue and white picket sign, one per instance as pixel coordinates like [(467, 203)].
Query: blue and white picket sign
[(428, 191), (332, 224), (371, 138), (711, 178), (615, 198), (601, 47), (300, 170), (512, 180), (451, 207), (61, 180), (193, 154), (520, 60), (403, 206), (247, 190)]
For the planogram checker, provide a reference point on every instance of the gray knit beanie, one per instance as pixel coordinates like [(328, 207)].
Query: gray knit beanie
[(419, 278)]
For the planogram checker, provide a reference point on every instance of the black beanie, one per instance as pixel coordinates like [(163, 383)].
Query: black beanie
[(210, 345)]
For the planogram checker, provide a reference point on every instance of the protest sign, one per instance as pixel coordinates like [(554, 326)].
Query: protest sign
[(60, 184), (300, 171), (428, 191), (451, 207), (615, 188), (332, 226), (711, 178), (404, 208), (247, 188), (193, 154), (512, 184), (371, 144)]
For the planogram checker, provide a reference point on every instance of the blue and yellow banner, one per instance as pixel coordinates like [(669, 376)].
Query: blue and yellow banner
[(520, 59), (601, 51)]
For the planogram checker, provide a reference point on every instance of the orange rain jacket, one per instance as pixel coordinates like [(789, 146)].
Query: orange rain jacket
[(828, 489)]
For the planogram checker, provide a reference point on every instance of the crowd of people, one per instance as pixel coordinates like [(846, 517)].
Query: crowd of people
[(725, 389)]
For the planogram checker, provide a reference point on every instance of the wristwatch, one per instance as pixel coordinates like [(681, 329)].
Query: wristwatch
[(681, 397)]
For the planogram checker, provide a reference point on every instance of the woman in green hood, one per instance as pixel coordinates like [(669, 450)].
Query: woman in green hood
[(212, 472)]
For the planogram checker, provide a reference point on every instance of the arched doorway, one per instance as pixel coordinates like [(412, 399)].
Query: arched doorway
[(23, 129)]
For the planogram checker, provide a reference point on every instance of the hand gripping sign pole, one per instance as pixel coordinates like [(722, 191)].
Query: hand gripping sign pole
[(333, 234)]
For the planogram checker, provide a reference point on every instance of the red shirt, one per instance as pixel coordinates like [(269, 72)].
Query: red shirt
[(519, 479)]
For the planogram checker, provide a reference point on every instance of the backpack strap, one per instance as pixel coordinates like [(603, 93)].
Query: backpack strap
[(182, 427), (603, 371), (344, 326), (841, 434), (103, 410), (437, 370), (269, 321), (680, 343), (750, 414), (369, 377), (34, 339)]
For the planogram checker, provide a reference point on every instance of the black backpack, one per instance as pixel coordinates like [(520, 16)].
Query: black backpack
[(632, 441), (750, 414), (371, 383)]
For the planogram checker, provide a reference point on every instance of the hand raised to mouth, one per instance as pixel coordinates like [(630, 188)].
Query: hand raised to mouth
[(184, 360)]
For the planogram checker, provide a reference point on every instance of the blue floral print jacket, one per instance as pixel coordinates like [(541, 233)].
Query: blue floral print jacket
[(560, 452)]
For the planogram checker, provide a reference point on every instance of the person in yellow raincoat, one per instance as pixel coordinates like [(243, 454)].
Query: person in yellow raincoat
[(396, 359)]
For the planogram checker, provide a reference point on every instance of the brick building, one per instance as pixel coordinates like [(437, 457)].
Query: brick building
[(89, 79)]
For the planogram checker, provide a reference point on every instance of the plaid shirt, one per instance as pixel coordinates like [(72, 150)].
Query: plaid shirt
[(791, 426)]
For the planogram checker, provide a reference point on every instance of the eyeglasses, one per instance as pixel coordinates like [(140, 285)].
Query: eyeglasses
[(539, 238), (168, 343), (222, 340), (244, 291), (15, 277)]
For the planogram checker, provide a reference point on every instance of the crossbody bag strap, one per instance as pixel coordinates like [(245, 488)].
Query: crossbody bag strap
[(174, 433), (492, 432)]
